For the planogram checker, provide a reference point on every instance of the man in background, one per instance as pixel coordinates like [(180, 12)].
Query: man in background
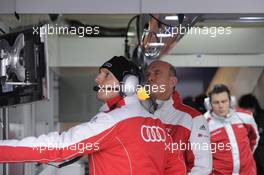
[(233, 133)]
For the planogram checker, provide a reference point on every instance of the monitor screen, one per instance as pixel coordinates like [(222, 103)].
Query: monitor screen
[(23, 67)]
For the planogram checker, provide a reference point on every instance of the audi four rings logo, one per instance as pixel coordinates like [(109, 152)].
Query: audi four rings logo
[(153, 134)]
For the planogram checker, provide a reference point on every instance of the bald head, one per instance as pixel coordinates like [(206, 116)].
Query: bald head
[(165, 66), (163, 74)]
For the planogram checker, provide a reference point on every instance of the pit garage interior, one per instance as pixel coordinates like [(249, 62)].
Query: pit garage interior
[(201, 60)]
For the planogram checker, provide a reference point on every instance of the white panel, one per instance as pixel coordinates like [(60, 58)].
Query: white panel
[(241, 40), (87, 52), (78, 6), (258, 91), (241, 60), (53, 44), (7, 6), (77, 100), (191, 60), (214, 60), (246, 80), (202, 6)]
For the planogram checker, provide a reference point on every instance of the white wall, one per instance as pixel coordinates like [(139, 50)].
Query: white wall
[(7, 6), (246, 40), (92, 52), (83, 52), (258, 91), (215, 60)]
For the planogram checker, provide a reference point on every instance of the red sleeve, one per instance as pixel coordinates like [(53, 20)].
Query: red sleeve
[(253, 136), (175, 163), (251, 126)]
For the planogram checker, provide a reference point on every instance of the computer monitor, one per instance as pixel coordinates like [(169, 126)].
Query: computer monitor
[(24, 67)]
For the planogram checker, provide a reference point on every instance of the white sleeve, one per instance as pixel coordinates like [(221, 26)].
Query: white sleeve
[(82, 139), (200, 142)]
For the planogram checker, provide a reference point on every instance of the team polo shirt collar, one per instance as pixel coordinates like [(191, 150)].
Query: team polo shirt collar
[(224, 119), (174, 99), (161, 103), (117, 102)]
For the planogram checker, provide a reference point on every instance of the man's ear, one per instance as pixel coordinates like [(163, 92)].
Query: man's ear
[(173, 81)]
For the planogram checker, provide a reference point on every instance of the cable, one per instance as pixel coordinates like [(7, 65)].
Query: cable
[(126, 39), (137, 28), (17, 16), (3, 32)]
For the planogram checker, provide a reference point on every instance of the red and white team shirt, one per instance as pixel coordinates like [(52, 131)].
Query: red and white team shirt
[(122, 139), (187, 127), (234, 138)]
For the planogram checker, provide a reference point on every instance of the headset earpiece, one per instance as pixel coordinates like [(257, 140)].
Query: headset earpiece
[(130, 83), (207, 104), (233, 102)]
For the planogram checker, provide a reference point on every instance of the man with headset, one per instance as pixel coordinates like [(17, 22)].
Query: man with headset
[(233, 134), (122, 139)]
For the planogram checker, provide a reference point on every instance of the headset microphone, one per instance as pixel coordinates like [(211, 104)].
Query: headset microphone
[(97, 88)]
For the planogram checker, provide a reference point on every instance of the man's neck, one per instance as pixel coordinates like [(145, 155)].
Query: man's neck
[(165, 96), (223, 116), (112, 102)]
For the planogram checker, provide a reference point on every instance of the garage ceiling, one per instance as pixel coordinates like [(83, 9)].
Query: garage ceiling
[(247, 34)]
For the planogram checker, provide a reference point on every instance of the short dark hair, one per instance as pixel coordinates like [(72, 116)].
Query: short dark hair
[(248, 101), (172, 71), (219, 88)]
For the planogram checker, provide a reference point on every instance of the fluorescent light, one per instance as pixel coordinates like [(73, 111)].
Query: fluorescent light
[(163, 35), (155, 44), (251, 18), (130, 34), (172, 18)]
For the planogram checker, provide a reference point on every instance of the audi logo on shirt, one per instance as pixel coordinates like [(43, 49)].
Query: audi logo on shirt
[(153, 134)]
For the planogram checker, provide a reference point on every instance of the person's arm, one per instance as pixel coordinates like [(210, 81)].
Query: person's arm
[(253, 134), (54, 147), (248, 120), (175, 162), (199, 138)]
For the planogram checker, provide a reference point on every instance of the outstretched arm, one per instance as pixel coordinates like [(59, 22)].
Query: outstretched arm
[(54, 147)]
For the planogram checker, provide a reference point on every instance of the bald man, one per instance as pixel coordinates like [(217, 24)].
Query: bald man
[(187, 126)]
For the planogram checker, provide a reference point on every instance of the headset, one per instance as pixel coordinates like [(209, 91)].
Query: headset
[(130, 81), (208, 105), (129, 84)]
